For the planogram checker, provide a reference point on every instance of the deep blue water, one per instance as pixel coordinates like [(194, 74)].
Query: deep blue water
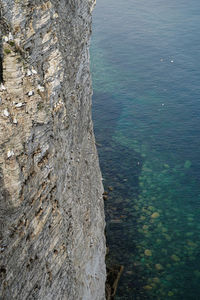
[(145, 62)]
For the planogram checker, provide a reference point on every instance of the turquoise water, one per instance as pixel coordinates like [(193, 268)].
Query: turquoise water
[(145, 61)]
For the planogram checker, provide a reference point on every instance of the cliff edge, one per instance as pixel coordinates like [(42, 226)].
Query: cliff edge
[(52, 243)]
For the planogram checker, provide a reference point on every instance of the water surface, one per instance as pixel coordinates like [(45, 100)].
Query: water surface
[(146, 110)]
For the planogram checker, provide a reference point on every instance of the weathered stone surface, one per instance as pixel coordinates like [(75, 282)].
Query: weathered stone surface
[(51, 207)]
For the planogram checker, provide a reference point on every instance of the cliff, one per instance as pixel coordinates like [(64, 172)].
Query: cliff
[(52, 242)]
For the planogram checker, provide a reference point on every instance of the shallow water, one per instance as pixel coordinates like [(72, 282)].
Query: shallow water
[(146, 112)]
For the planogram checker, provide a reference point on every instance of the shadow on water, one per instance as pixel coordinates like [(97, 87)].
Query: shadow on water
[(152, 227), (121, 168), (120, 165)]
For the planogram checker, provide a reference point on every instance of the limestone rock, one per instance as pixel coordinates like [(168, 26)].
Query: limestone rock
[(51, 208)]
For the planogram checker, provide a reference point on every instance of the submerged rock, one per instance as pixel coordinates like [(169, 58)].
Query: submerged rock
[(148, 252), (187, 164), (174, 257), (155, 215), (158, 267), (148, 287)]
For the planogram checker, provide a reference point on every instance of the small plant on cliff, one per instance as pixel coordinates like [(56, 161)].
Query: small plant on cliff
[(7, 51), (11, 43)]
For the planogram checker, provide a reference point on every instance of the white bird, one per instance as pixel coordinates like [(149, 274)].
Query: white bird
[(40, 88), (30, 93), (6, 113), (6, 39), (2, 87), (29, 73), (34, 71), (10, 36), (19, 104), (10, 153)]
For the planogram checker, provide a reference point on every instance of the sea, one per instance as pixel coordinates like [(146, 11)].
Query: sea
[(145, 63)]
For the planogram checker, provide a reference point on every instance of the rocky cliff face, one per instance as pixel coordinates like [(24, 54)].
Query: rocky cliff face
[(51, 207)]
